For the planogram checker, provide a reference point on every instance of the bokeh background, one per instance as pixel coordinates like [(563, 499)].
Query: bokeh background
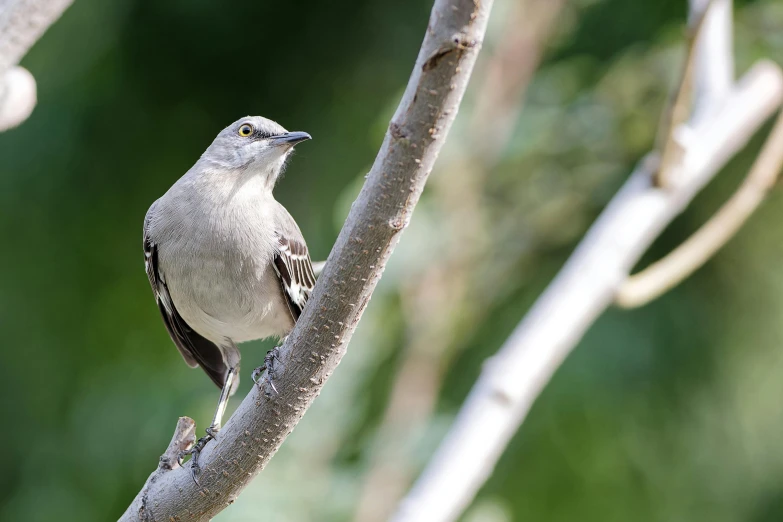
[(672, 412)]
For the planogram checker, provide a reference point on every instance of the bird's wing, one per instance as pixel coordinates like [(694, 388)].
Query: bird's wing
[(195, 349), (295, 270)]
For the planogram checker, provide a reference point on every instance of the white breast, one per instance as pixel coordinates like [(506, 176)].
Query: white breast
[(216, 258)]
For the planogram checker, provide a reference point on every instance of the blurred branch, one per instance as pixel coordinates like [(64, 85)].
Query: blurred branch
[(507, 75), (714, 68), (22, 23), (448, 286), (17, 97), (512, 380), (679, 110), (318, 267), (667, 273), (319, 340)]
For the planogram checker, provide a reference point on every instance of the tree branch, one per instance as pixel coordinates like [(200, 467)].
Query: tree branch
[(378, 216), (449, 286), (512, 380), (680, 106), (663, 275), (17, 97), (714, 68), (183, 439), (22, 23)]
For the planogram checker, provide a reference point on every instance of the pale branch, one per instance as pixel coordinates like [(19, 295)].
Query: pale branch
[(512, 379), (318, 267), (378, 216), (22, 23), (665, 274), (680, 105), (517, 46), (714, 67), (17, 97)]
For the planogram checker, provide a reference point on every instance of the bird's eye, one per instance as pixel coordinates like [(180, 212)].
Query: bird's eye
[(245, 130)]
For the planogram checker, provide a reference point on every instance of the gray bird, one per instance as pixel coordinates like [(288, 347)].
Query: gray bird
[(226, 261)]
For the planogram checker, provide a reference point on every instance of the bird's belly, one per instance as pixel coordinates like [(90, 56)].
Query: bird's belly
[(238, 329), (223, 298)]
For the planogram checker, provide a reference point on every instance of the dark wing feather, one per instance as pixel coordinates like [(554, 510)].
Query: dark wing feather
[(195, 349), (295, 270)]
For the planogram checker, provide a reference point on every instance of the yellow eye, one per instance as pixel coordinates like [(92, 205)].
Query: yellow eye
[(245, 130)]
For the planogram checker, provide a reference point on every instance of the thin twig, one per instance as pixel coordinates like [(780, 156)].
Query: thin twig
[(667, 273), (373, 227), (183, 439), (679, 110)]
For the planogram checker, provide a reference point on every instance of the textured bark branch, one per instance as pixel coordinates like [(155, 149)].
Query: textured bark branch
[(378, 216), (512, 380), (22, 23)]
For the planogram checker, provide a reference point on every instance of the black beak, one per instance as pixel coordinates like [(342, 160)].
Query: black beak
[(290, 138)]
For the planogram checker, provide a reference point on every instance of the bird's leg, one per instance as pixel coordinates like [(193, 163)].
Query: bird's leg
[(269, 365), (213, 428)]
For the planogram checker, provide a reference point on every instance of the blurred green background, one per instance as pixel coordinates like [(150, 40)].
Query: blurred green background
[(667, 413)]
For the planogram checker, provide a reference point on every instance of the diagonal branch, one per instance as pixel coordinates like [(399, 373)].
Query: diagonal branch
[(378, 216), (512, 380), (584, 288)]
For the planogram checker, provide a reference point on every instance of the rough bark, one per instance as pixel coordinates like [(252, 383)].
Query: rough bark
[(378, 216)]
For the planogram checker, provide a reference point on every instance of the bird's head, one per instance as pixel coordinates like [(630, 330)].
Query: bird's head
[(254, 144)]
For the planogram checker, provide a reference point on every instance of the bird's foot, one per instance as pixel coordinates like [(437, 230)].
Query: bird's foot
[(271, 357), (195, 452), (212, 431)]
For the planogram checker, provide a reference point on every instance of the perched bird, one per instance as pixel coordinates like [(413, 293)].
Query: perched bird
[(226, 261)]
